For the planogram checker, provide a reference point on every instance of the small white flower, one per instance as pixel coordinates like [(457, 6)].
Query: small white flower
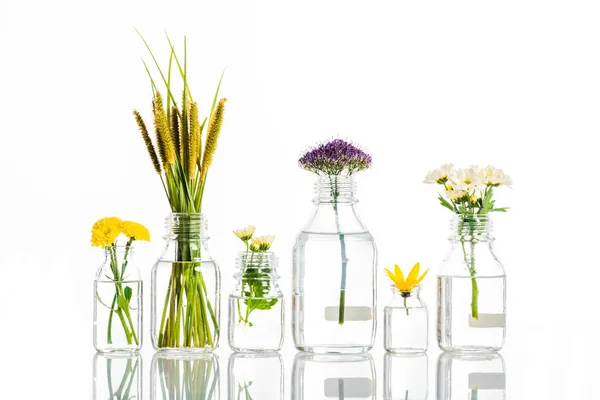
[(467, 179), (245, 233), (440, 175), (262, 243), (496, 177), (456, 194)]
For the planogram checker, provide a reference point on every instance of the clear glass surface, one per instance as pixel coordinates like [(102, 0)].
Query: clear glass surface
[(118, 303), (471, 290), (117, 376), (256, 376), (406, 323), (405, 377), (471, 376), (185, 376)]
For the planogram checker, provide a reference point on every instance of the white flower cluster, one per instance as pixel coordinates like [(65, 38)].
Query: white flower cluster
[(467, 184)]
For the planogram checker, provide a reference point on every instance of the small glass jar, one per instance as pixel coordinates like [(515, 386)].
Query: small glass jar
[(256, 376), (405, 376), (117, 376), (185, 289), (406, 322), (334, 283), (118, 302), (185, 376), (256, 306), (471, 376), (333, 376), (471, 289)]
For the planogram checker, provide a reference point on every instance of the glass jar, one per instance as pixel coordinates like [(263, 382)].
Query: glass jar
[(118, 302), (333, 376), (471, 376), (406, 322), (256, 307), (185, 289), (471, 289), (185, 376), (117, 376), (334, 282), (256, 376), (405, 377)]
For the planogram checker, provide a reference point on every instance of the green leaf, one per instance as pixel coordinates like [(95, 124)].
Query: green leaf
[(445, 203), (128, 293), (501, 209), (122, 302), (104, 304)]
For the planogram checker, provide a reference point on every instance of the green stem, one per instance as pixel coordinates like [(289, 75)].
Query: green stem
[(405, 307), (342, 305)]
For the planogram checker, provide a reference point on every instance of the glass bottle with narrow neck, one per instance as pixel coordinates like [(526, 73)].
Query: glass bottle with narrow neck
[(256, 307), (334, 283), (471, 289), (406, 322), (118, 302), (185, 289)]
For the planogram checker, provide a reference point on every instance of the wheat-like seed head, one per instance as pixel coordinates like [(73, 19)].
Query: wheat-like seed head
[(214, 127), (166, 147), (147, 141), (175, 129), (193, 141)]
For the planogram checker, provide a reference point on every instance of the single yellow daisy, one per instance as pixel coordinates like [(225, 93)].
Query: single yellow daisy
[(135, 230), (412, 280), (105, 231)]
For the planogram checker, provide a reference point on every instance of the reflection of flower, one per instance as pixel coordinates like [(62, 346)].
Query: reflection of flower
[(262, 243), (335, 157), (246, 233), (411, 281), (135, 230), (105, 231)]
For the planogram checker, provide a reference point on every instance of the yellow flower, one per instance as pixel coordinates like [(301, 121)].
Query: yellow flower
[(245, 233), (105, 231), (411, 282), (135, 230), (262, 243)]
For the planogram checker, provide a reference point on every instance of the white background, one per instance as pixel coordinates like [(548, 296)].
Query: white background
[(513, 84)]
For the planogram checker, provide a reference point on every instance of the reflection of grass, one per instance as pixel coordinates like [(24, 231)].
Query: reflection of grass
[(244, 389), (122, 392), (195, 379)]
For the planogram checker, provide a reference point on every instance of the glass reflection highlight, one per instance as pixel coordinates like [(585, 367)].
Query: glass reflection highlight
[(185, 377), (405, 376), (117, 376), (255, 376), (471, 376)]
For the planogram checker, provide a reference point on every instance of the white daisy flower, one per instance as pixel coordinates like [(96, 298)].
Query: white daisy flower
[(456, 194), (467, 179), (261, 243), (440, 175), (496, 177), (245, 233)]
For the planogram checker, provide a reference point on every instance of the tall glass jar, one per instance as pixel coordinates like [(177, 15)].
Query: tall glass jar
[(471, 289), (256, 307), (334, 282), (406, 322), (185, 289), (118, 302)]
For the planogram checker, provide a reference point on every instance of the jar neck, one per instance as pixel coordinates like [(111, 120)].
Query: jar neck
[(119, 253), (256, 274), (415, 293), (186, 227), (335, 189), (471, 228)]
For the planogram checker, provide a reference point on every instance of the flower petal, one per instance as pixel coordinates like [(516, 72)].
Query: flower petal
[(399, 274), (414, 273), (422, 276)]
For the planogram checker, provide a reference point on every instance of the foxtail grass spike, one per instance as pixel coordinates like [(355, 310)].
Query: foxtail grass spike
[(214, 127), (193, 141), (147, 141), (175, 129), (163, 132)]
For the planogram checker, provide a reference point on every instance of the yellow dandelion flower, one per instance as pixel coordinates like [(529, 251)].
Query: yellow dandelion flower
[(135, 230), (105, 231), (246, 233), (412, 280), (262, 243)]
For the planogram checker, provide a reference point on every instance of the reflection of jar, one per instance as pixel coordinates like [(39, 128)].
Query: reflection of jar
[(256, 307), (405, 322), (184, 376), (471, 376), (255, 376), (117, 376), (471, 289), (405, 377), (334, 282), (323, 377)]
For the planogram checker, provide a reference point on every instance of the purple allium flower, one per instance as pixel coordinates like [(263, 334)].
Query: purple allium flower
[(334, 158)]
